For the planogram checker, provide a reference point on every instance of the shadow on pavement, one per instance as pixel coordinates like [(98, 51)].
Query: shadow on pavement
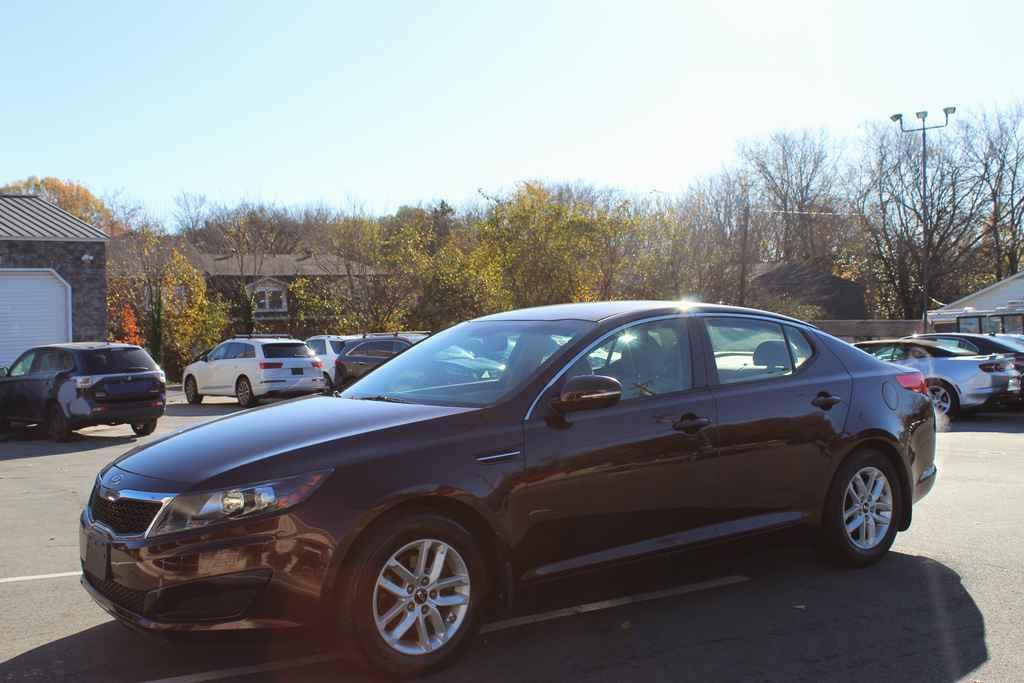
[(908, 618), (33, 442), (1008, 422)]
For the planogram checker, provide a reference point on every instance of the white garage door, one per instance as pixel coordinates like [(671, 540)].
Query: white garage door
[(34, 310)]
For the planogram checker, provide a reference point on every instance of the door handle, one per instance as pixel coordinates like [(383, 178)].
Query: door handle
[(825, 400), (690, 424)]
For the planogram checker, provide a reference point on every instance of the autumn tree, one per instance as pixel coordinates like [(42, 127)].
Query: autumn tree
[(73, 197)]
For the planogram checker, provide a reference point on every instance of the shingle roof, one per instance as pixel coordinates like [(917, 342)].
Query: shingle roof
[(30, 217)]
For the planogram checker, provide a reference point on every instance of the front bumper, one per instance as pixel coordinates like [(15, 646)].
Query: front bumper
[(260, 574)]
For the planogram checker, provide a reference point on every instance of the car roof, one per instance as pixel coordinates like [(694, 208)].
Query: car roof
[(598, 311), (266, 340), (88, 346)]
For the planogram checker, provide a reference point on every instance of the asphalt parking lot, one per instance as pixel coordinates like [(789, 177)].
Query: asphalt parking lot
[(945, 605)]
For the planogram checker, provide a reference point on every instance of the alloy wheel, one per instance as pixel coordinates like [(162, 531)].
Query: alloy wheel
[(421, 598), (940, 398), (244, 392), (867, 508)]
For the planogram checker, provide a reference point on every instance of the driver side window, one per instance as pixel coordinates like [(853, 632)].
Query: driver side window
[(22, 365), (649, 359)]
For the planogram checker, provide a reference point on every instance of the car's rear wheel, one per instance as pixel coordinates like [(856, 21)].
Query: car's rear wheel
[(944, 398), (144, 428), (244, 394), (192, 394), (411, 593), (863, 509), (328, 385), (57, 424)]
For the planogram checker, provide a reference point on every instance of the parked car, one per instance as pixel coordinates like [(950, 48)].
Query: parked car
[(349, 357), (251, 367), (979, 344), (70, 386), (399, 509), (958, 380)]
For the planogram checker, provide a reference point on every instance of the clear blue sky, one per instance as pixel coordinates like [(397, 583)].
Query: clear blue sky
[(384, 103)]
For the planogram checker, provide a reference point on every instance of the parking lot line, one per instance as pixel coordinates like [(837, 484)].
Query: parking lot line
[(249, 670), (487, 628), (615, 602), (36, 577)]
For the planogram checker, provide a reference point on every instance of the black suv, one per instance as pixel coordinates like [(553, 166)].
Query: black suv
[(69, 386), (361, 353)]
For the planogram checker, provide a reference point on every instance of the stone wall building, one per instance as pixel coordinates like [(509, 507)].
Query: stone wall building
[(53, 281)]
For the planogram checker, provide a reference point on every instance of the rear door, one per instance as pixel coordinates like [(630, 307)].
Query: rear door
[(369, 355), (782, 400)]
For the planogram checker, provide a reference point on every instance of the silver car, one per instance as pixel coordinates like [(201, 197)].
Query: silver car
[(957, 380)]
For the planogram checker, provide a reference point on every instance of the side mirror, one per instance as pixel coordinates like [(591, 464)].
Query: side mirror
[(588, 392), (4, 372)]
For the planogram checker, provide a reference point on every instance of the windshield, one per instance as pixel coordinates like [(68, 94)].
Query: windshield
[(474, 364), (105, 361)]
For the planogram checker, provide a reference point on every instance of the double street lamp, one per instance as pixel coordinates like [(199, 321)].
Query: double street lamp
[(925, 224)]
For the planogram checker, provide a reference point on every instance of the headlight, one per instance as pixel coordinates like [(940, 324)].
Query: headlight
[(195, 510)]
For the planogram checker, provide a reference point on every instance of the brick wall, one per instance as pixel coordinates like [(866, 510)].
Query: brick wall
[(88, 280)]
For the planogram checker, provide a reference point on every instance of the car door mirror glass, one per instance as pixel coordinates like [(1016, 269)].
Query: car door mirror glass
[(588, 392)]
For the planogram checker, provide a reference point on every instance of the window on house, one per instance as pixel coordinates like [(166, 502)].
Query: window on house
[(270, 298)]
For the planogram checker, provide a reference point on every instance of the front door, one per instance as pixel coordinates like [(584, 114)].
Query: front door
[(14, 389), (612, 483), (782, 400)]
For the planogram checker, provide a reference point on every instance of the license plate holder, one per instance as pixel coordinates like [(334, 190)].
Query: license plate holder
[(296, 371), (96, 556)]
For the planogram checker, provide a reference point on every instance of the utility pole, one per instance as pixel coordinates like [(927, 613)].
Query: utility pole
[(744, 240), (926, 231)]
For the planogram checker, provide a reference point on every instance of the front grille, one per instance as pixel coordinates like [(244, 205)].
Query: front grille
[(131, 600), (124, 515)]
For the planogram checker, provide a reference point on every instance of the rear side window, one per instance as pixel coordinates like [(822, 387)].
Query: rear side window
[(374, 349), (746, 349), (318, 346), (245, 351), (287, 350), (106, 361), (799, 346), (337, 346), (52, 360)]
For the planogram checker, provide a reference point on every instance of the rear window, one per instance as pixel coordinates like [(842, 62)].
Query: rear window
[(287, 350), (106, 361)]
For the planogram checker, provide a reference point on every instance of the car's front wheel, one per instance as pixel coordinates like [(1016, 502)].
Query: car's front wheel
[(192, 394), (863, 509), (144, 428), (411, 593)]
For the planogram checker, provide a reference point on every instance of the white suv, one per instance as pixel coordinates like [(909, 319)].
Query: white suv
[(328, 347), (251, 367)]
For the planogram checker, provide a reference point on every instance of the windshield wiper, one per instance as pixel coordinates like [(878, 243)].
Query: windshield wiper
[(381, 397)]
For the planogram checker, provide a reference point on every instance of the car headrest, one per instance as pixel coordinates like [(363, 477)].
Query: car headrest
[(772, 354)]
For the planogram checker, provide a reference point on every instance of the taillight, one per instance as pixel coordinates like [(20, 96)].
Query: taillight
[(914, 381), (266, 365), (992, 367), (338, 363), (318, 364)]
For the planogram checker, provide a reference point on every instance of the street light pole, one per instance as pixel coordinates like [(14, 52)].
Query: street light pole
[(926, 231)]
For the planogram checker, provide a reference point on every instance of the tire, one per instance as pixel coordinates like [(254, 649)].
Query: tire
[(328, 385), (192, 394), (360, 599), (860, 548), (57, 425), (5, 425), (244, 394), (144, 428), (944, 395)]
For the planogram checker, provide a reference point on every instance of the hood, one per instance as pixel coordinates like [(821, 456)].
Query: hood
[(190, 457)]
